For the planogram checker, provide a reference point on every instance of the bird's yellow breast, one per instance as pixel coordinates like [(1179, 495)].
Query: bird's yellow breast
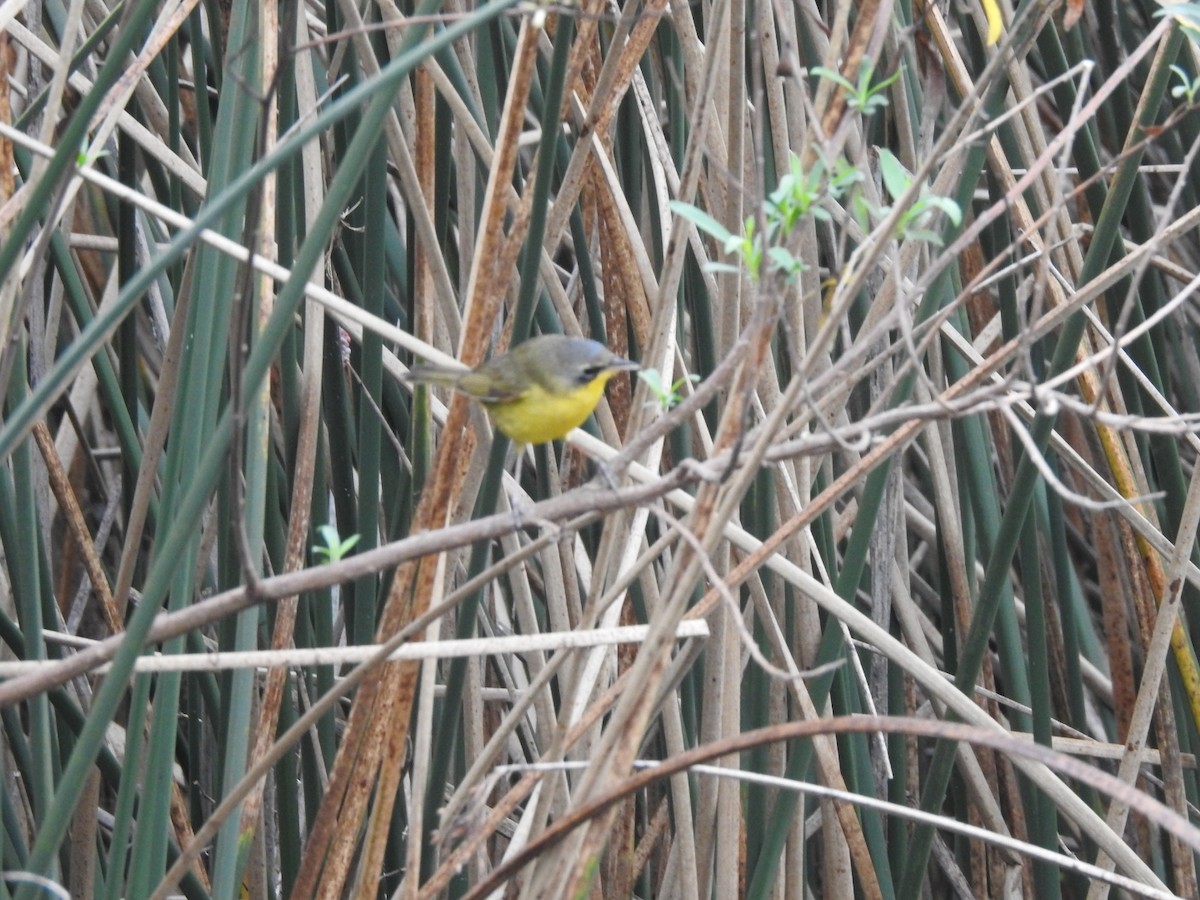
[(538, 416)]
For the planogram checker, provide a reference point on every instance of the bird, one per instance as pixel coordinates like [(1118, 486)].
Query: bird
[(538, 391)]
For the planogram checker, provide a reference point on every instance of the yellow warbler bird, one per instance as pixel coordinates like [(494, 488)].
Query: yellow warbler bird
[(539, 390)]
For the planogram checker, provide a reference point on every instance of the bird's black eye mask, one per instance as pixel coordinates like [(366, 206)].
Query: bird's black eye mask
[(588, 375)]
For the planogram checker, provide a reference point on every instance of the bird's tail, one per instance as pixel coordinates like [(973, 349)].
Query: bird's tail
[(442, 376)]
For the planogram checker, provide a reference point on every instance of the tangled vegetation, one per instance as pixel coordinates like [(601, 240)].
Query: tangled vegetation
[(881, 579)]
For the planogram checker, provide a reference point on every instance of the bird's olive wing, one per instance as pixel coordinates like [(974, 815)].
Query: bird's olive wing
[(489, 386)]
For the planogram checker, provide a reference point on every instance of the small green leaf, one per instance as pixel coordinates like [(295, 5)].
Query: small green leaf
[(886, 83), (667, 397), (1186, 14), (895, 177), (836, 77), (783, 259), (334, 547), (872, 103), (653, 379), (948, 207), (1188, 87), (702, 220), (923, 234)]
